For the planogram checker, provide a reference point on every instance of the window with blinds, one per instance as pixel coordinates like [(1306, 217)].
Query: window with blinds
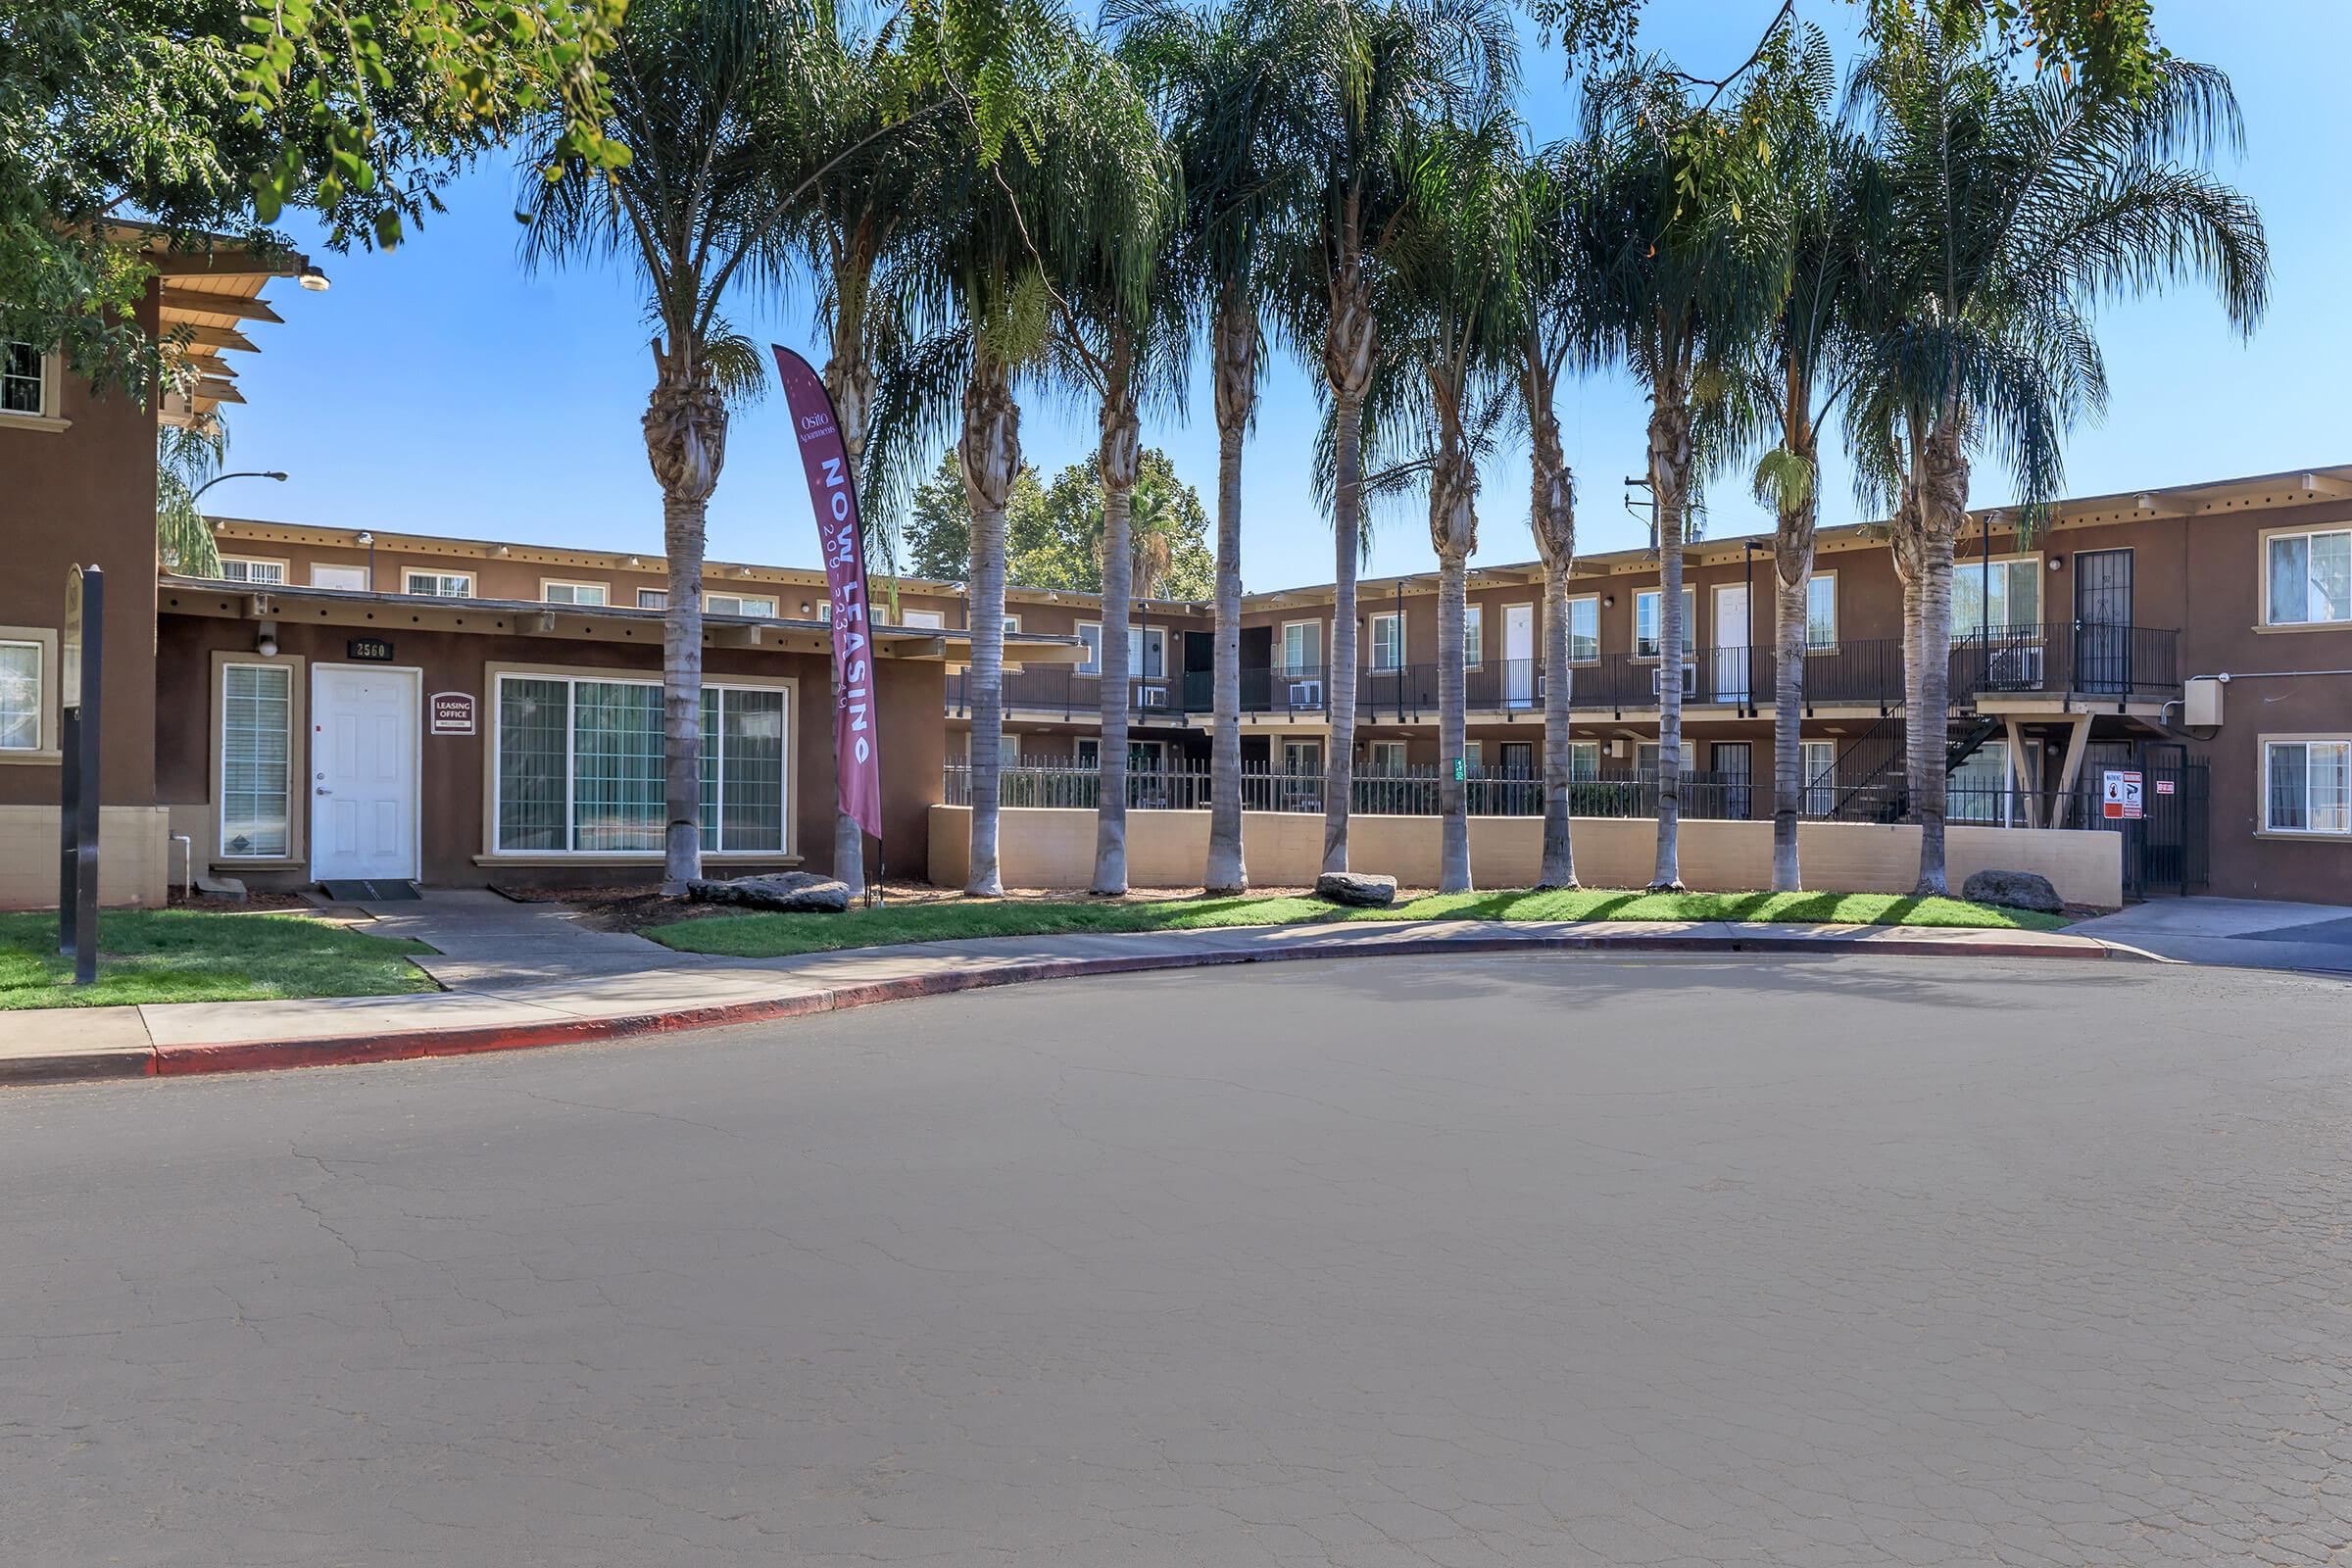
[(256, 768)]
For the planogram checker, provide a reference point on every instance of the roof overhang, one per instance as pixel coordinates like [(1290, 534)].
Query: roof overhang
[(205, 300), (392, 614)]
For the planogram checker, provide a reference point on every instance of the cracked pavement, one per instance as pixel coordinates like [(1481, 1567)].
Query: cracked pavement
[(1462, 1261)]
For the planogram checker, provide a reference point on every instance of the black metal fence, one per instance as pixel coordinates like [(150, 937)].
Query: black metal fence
[(2068, 657)]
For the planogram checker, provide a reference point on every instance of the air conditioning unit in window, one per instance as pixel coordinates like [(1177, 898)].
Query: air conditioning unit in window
[(1657, 675), (1151, 697), (1306, 694), (2015, 667)]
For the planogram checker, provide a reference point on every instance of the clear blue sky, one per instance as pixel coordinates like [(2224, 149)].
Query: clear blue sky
[(442, 390)]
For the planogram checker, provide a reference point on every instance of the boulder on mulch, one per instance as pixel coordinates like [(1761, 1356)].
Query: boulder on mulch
[(1357, 888), (2013, 890), (793, 892)]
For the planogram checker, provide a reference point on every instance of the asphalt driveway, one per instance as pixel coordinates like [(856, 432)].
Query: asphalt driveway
[(1495, 1260)]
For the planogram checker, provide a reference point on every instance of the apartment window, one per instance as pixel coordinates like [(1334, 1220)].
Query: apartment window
[(1584, 631), (244, 569), (1090, 640), (653, 599), (20, 696), (1584, 760), (1388, 640), (1817, 762), (1148, 652), (1472, 754), (1646, 758), (438, 584), (1013, 625), (1980, 789), (1474, 636), (932, 619), (24, 380), (1646, 604), (590, 594), (824, 610), (2015, 607), (2308, 786), (1821, 611), (1388, 758), (256, 768), (1301, 647), (580, 767), (761, 604), (2310, 578), (352, 578)]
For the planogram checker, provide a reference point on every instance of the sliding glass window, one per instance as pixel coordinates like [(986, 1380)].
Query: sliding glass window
[(580, 767)]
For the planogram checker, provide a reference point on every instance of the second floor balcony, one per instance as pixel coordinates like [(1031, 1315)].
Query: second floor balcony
[(2097, 664)]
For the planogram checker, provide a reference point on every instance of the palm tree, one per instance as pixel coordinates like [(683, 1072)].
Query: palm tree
[(1552, 325), (1229, 83), (1451, 341), (888, 142), (188, 457), (2023, 204), (716, 101), (1690, 270), (1376, 66), (1803, 365), (980, 272)]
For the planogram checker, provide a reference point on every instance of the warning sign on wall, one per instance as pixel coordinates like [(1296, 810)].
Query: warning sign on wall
[(2123, 797)]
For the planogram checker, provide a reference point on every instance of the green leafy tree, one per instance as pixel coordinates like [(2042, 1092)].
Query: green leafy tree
[(207, 118)]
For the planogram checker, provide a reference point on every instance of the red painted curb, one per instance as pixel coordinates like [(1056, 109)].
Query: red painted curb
[(412, 1044)]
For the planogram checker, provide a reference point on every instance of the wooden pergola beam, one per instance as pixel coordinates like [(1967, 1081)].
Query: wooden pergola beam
[(194, 303)]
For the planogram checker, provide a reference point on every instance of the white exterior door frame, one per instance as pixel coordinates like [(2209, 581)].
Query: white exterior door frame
[(1732, 633), (1519, 654), (332, 803)]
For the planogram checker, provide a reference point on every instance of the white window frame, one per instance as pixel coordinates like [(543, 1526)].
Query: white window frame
[(47, 417), (1690, 622), (2269, 744), (572, 676), (1817, 783), (1094, 665), (1138, 650), (1964, 626), (1474, 637), (1384, 750), (653, 599), (603, 591), (1013, 625), (2270, 536), (42, 640), (1372, 624), (1594, 600), (1836, 634), (711, 604), (283, 568), (925, 619), (294, 672), (1282, 650), (407, 585), (1580, 749), (366, 576)]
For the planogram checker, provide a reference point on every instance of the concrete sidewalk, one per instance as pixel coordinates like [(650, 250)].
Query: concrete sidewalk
[(523, 975), (2242, 933)]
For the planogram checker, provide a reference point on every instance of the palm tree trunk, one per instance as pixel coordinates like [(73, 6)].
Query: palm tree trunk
[(990, 453), (1551, 514), (1559, 752), (1338, 764), (682, 536), (1116, 459), (686, 443), (1453, 825), (1348, 345), (1235, 349), (1669, 475), (1792, 571), (1943, 503), (1906, 553)]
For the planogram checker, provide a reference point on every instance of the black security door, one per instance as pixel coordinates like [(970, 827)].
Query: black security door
[(2103, 620)]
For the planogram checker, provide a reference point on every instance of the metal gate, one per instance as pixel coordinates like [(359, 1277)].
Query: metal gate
[(2165, 850), (2102, 621)]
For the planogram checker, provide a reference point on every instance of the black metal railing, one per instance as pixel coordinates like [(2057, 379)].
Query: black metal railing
[(2068, 658)]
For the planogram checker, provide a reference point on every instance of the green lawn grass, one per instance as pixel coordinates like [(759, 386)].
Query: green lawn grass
[(773, 936), (203, 955)]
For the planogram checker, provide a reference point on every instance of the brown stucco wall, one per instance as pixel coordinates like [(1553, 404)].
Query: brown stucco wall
[(910, 695), (85, 496)]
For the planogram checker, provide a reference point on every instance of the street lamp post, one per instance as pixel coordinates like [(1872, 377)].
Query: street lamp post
[(242, 474)]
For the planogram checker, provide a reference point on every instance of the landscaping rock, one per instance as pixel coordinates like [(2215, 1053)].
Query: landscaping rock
[(2015, 890), (1356, 888), (793, 892)]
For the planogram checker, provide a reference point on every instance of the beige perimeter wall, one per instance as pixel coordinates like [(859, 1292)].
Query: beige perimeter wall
[(134, 860), (1056, 850)]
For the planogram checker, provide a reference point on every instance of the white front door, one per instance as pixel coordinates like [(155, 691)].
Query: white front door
[(1518, 654), (1731, 643), (364, 735)]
